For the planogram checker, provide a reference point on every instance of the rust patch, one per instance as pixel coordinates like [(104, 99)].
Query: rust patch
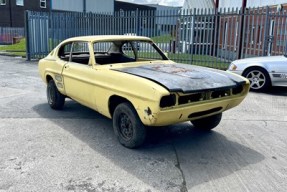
[(171, 69), (148, 111), (157, 67), (179, 70)]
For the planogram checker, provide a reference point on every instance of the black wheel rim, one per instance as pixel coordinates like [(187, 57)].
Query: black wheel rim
[(125, 127), (51, 94)]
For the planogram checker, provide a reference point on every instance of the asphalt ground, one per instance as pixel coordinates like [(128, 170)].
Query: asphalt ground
[(75, 149)]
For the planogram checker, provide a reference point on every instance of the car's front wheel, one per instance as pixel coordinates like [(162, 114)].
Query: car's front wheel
[(55, 99), (207, 123), (128, 127), (259, 79)]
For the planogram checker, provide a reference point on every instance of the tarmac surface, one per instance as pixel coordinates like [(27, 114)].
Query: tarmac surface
[(76, 150)]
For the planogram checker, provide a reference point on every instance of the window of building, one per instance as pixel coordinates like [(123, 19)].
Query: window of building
[(20, 2), (43, 3), (2, 2)]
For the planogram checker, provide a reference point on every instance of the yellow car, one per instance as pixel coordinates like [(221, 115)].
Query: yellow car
[(138, 86)]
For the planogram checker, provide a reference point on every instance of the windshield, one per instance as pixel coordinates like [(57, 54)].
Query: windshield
[(112, 52)]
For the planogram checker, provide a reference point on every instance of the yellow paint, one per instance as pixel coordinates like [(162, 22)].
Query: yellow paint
[(93, 85)]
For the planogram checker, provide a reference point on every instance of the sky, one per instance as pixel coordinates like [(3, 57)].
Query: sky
[(161, 2)]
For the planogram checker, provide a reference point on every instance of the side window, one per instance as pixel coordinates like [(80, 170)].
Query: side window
[(64, 52), (80, 53), (128, 50), (102, 47), (147, 52)]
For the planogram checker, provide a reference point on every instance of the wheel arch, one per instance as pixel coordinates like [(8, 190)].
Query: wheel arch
[(255, 67), (48, 78), (114, 101), (268, 80)]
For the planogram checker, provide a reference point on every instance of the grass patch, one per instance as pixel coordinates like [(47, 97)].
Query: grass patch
[(18, 49), (162, 39), (201, 60)]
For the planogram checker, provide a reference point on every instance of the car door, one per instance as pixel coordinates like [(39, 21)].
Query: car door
[(63, 58), (79, 75), (279, 71)]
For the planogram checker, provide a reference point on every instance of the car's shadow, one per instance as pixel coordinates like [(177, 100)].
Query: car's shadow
[(277, 91), (196, 153), (280, 91)]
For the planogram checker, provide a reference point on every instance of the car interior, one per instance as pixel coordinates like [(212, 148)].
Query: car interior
[(105, 52)]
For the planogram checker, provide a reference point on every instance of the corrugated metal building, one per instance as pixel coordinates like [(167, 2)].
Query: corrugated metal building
[(207, 4), (94, 6), (250, 3), (198, 4)]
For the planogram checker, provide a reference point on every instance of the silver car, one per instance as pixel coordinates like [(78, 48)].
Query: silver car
[(262, 72)]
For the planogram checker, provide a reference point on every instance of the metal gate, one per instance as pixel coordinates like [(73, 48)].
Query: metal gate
[(207, 37)]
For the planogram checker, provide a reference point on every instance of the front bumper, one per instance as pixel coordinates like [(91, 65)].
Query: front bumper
[(196, 110), (236, 72)]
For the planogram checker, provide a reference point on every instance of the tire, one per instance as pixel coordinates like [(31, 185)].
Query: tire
[(128, 127), (259, 79), (207, 123), (55, 99)]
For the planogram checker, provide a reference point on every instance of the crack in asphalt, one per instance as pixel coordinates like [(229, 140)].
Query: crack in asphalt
[(265, 123), (183, 187)]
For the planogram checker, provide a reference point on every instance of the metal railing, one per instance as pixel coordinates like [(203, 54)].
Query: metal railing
[(8, 35), (207, 37)]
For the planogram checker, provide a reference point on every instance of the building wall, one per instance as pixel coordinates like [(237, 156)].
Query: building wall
[(12, 15), (198, 4), (5, 15), (162, 11), (256, 32), (94, 6), (250, 3), (68, 5), (125, 6), (100, 6)]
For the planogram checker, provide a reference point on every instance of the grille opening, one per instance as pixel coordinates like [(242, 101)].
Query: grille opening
[(167, 101), (219, 94), (237, 90), (190, 98), (201, 113)]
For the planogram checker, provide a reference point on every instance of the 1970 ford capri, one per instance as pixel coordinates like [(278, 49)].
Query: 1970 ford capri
[(130, 80)]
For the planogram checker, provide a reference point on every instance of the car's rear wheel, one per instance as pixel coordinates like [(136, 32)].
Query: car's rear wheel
[(128, 127), (259, 79), (55, 99), (207, 123)]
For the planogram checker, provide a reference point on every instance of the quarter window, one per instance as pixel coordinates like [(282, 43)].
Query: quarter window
[(20, 2), (2, 2), (80, 53), (43, 3), (64, 52)]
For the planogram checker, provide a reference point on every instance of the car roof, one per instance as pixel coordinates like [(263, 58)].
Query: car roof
[(94, 38)]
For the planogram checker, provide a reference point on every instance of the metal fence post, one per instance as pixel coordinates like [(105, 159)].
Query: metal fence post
[(27, 35), (266, 30), (215, 32), (191, 40)]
